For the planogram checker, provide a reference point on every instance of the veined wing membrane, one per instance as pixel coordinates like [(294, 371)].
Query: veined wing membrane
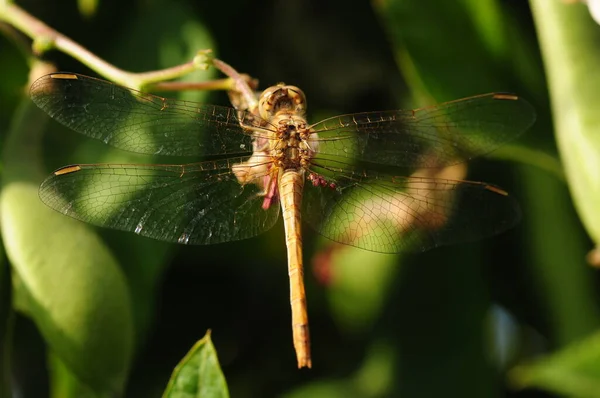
[(435, 136), (140, 122), (389, 214), (199, 203)]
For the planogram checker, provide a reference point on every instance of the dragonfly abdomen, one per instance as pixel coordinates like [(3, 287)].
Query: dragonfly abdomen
[(291, 184)]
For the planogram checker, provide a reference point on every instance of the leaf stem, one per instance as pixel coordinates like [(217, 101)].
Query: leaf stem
[(46, 39)]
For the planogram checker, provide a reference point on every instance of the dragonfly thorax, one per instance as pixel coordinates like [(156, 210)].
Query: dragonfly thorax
[(281, 99), (291, 148)]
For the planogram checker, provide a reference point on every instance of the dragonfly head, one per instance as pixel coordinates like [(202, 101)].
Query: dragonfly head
[(282, 98)]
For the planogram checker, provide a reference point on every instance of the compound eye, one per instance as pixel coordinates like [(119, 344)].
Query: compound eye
[(281, 98), (265, 102), (298, 98)]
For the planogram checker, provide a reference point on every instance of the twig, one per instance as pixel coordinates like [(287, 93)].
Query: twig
[(45, 39)]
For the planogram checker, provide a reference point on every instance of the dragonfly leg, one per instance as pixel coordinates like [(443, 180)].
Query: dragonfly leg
[(242, 97)]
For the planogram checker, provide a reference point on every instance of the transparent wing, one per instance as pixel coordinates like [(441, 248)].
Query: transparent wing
[(200, 203), (395, 214), (140, 122), (435, 136)]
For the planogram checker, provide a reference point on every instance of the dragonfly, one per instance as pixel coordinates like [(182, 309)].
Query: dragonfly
[(372, 180)]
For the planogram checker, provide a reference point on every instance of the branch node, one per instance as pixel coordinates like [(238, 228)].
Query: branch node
[(203, 59), (42, 44)]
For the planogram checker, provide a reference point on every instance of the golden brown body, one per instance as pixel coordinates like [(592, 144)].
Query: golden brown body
[(286, 154), (290, 188)]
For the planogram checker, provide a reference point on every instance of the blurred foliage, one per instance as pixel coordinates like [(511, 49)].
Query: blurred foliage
[(568, 38), (6, 319), (450, 322), (574, 371), (65, 277)]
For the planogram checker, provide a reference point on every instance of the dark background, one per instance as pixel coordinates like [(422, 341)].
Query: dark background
[(450, 322)]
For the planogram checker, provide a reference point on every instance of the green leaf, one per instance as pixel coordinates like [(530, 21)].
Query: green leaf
[(198, 374), (564, 282), (573, 371), (569, 42), (449, 50), (357, 293), (70, 283), (6, 324), (66, 384)]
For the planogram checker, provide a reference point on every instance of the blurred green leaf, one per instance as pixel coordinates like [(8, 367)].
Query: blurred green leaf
[(70, 282), (449, 50), (198, 374), (6, 325), (564, 280), (573, 371), (64, 383), (357, 292), (532, 157), (569, 42)]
